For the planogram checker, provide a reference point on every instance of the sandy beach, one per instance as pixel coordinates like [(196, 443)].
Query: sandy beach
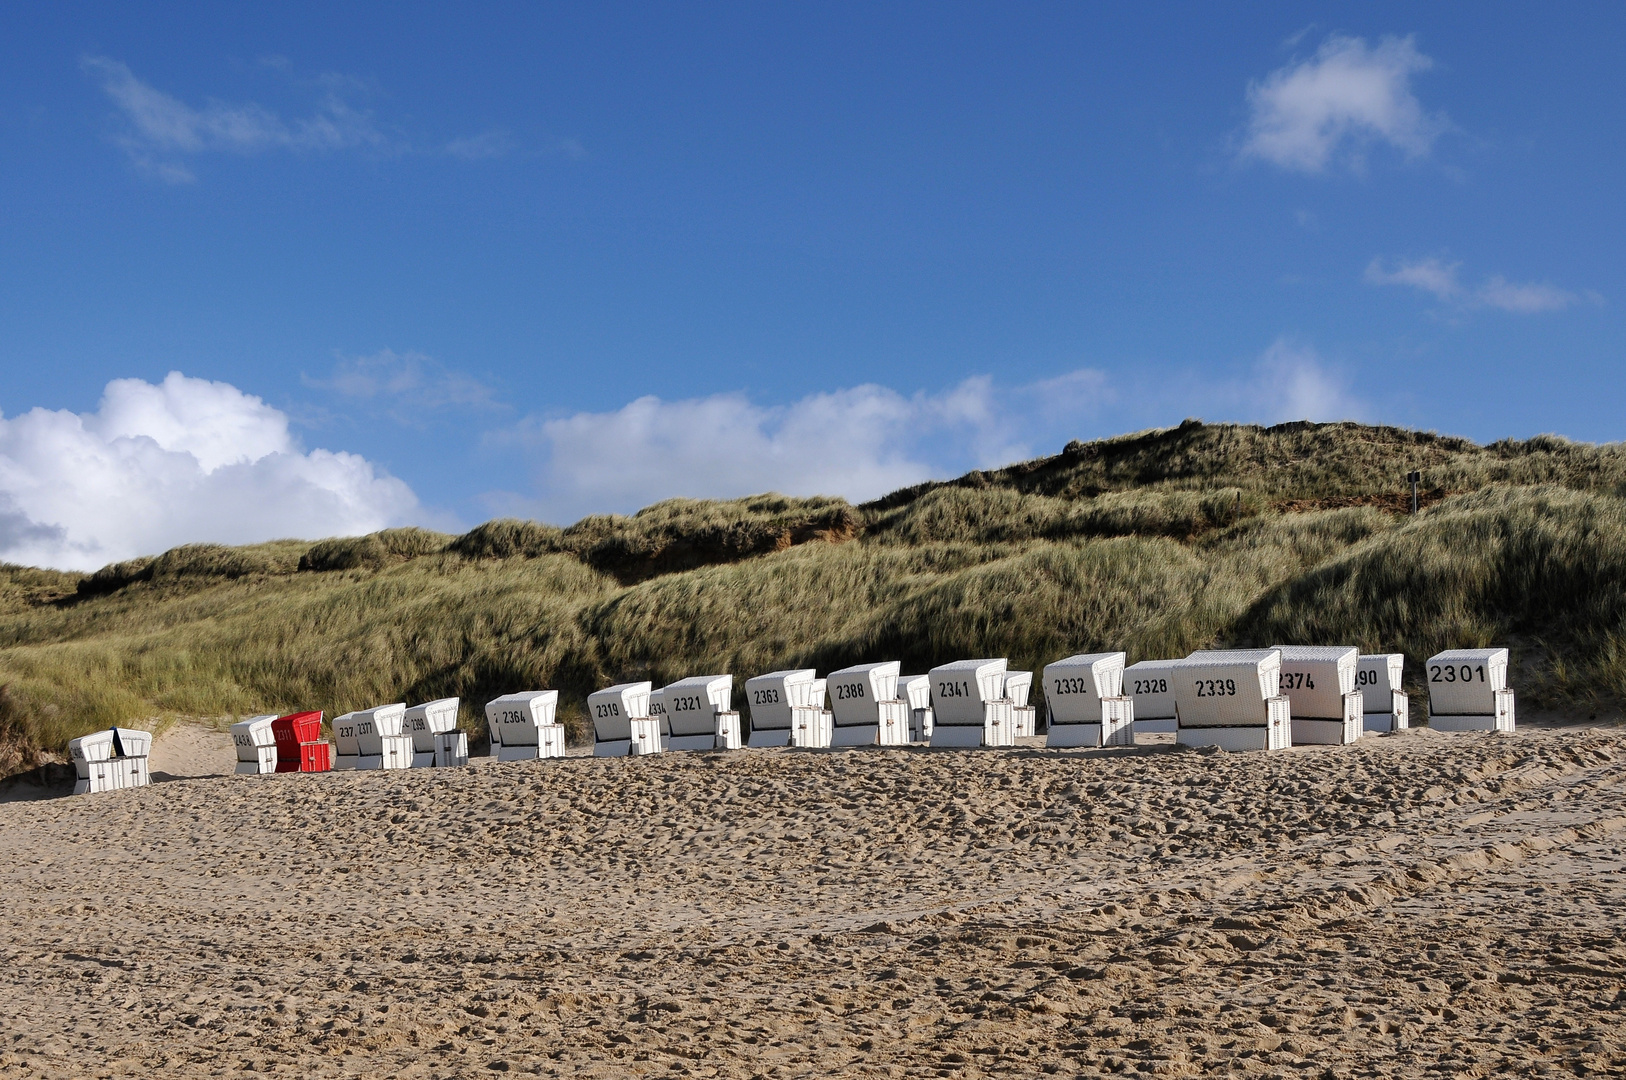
[(1423, 904)]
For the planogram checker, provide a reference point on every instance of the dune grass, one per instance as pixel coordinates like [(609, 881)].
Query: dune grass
[(1156, 544), (1308, 461), (1542, 565)]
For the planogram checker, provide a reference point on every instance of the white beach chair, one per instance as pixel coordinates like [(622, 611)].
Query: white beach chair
[(1228, 698), (699, 713), (917, 691), (613, 711), (1017, 686), (1085, 699), (657, 713), (969, 707), (812, 724), (256, 745), (1384, 704), (772, 698), (1149, 685), (1320, 682), (525, 727), (426, 725), (865, 706), (1468, 691)]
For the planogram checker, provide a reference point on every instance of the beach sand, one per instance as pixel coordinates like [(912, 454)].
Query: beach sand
[(1417, 905)]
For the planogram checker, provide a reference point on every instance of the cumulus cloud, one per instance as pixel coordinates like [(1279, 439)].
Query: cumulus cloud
[(1348, 95), (853, 442), (1442, 280), (864, 441), (858, 442), (184, 461)]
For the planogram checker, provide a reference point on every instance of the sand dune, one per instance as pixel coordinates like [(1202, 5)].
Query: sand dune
[(1411, 905)]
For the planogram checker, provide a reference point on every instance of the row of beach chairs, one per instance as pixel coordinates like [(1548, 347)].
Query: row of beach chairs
[(1250, 699), (385, 737), (1267, 699), (110, 760), (975, 703), (1234, 699)]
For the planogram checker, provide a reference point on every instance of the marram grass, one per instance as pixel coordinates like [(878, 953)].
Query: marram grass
[(1156, 544)]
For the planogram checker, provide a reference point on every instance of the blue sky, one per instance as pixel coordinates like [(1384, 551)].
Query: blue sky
[(414, 263)]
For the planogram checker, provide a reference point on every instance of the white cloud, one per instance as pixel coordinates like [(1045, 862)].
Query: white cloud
[(184, 461), (865, 441), (160, 126), (1430, 275), (1348, 93), (1083, 392), (410, 387), (858, 442), (214, 422), (487, 144), (1530, 298), (1292, 382), (1439, 278), (1289, 380), (159, 131), (849, 442)]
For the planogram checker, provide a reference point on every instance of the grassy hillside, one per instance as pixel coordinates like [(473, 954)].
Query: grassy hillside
[(1155, 543)]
